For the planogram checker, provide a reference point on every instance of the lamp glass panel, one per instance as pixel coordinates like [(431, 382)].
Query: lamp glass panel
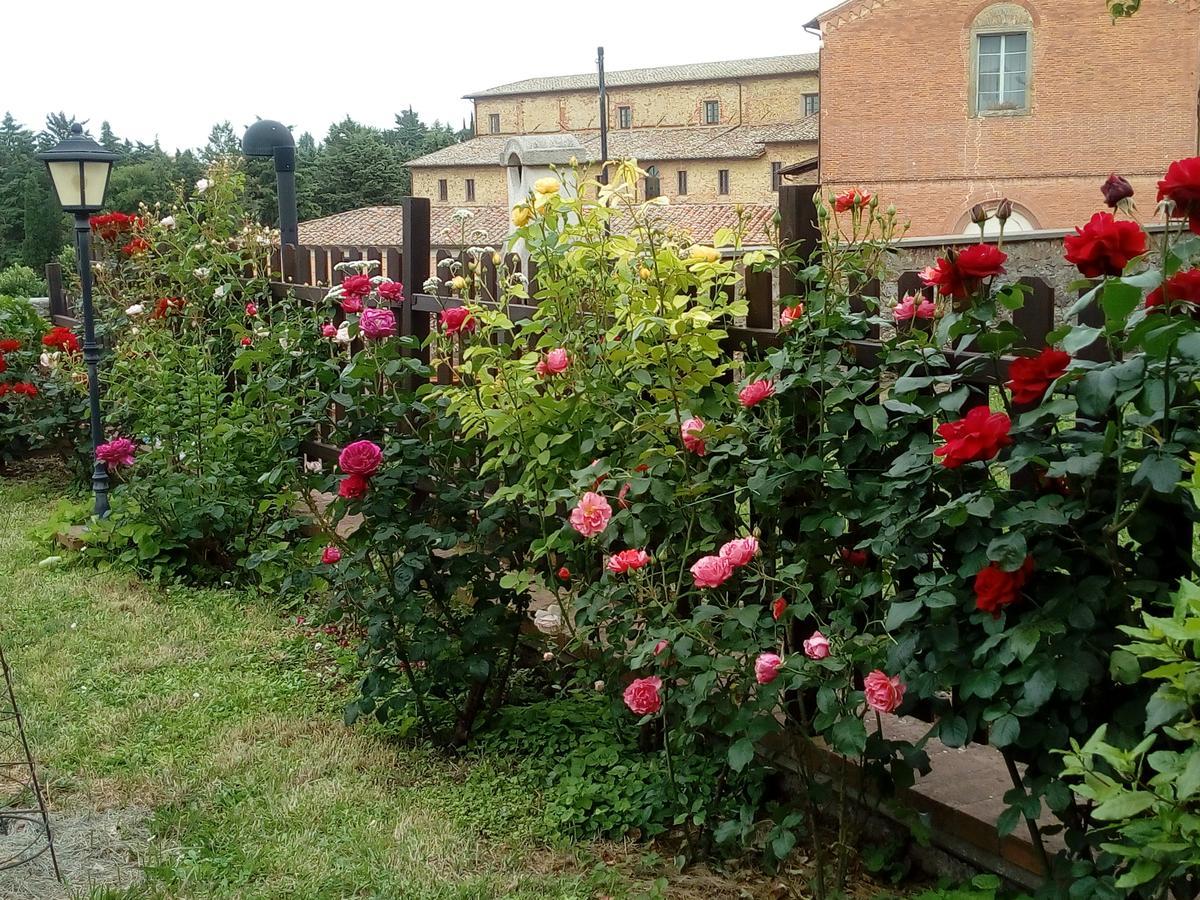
[(95, 182), (67, 183)]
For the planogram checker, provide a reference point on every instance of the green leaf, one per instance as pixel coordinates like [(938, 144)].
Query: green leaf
[(1008, 821), (981, 683), (1189, 779), (901, 612), (1009, 550), (740, 754), (873, 418), (1004, 731), (849, 737), (953, 731), (1118, 300), (1125, 805), (1139, 873), (1040, 686), (1095, 392), (1161, 471)]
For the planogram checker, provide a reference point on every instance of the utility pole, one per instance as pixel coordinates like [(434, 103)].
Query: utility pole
[(603, 117)]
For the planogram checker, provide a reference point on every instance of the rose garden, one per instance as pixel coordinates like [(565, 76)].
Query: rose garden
[(752, 554)]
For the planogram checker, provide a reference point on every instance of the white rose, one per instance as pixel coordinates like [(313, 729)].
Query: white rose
[(313, 465), (343, 334), (221, 291), (167, 222), (136, 310), (201, 185)]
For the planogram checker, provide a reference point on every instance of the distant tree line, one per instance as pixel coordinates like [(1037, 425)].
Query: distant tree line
[(355, 165)]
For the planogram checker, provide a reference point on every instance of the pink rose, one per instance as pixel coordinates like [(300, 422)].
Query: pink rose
[(884, 694), (458, 319), (913, 306), (391, 291), (660, 647), (251, 310), (591, 516), (756, 392), (690, 432), (377, 324), (356, 286), (116, 453), (352, 304), (711, 571), (555, 363), (361, 458), (331, 555), (766, 667), (739, 552), (352, 487), (790, 316), (329, 330), (642, 696), (628, 561), (817, 646)]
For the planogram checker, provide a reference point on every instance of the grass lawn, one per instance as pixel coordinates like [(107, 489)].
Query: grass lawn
[(205, 723)]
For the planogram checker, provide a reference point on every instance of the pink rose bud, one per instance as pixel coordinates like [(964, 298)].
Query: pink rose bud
[(817, 646), (251, 310), (329, 330), (331, 555), (660, 647), (766, 667), (628, 561), (547, 656), (690, 432)]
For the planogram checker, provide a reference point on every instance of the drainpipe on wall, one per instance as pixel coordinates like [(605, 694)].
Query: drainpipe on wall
[(814, 28)]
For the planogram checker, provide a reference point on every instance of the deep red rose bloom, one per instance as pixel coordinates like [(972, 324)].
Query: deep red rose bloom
[(977, 437), (356, 286), (165, 305), (945, 277), (848, 200), (24, 388), (564, 574), (1029, 376), (353, 486), (981, 261), (9, 345), (111, 225), (855, 558), (1116, 189), (778, 608), (996, 589), (1182, 287), (1182, 185), (136, 246), (61, 338), (1105, 245), (392, 291)]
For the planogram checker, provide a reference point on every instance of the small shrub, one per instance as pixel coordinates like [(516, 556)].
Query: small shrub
[(21, 281)]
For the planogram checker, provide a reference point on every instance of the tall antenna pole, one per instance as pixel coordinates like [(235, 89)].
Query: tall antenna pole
[(603, 117)]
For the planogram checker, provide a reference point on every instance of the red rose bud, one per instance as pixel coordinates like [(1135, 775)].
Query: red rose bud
[(979, 215), (564, 574), (778, 608), (1004, 211), (1116, 189)]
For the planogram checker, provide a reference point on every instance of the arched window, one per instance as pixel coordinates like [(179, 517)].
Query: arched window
[(653, 185), (1002, 61), (1019, 221)]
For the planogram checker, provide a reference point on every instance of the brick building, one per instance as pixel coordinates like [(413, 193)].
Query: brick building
[(713, 133), (937, 105)]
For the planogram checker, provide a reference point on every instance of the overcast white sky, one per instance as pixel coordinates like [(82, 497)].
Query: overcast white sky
[(171, 68)]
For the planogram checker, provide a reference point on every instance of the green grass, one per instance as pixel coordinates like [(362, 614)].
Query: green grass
[(212, 711)]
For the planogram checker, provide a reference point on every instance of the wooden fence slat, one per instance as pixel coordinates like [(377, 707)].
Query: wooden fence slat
[(391, 267), (759, 289), (415, 270), (798, 230), (1036, 318)]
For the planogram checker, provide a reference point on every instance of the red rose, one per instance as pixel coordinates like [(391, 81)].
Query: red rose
[(1105, 245), (977, 437), (361, 458), (981, 261), (945, 277), (564, 574), (353, 487), (1029, 376), (1182, 186), (1116, 189), (392, 291), (9, 345), (856, 558), (136, 246), (61, 338), (848, 200), (778, 608), (356, 286), (996, 589), (1182, 287)]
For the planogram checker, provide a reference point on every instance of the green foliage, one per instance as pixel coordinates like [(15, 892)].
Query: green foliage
[(1147, 797), (593, 778), (21, 281)]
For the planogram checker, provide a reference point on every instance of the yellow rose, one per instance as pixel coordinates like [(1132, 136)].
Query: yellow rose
[(547, 185), (703, 254), (497, 259), (522, 216), (645, 273), (458, 283)]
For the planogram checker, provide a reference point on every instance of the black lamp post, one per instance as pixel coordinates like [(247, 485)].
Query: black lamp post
[(273, 139), (79, 168)]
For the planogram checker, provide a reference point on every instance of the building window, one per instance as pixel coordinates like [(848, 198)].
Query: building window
[(443, 190), (494, 123), (812, 104), (624, 117), (470, 190), (653, 184), (722, 181), (776, 175), (681, 182), (712, 112), (1002, 76)]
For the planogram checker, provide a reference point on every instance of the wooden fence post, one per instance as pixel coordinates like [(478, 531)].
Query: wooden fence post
[(54, 284), (414, 268), (798, 229)]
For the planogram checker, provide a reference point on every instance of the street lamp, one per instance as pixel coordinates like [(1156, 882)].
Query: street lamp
[(79, 168), (273, 139)]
